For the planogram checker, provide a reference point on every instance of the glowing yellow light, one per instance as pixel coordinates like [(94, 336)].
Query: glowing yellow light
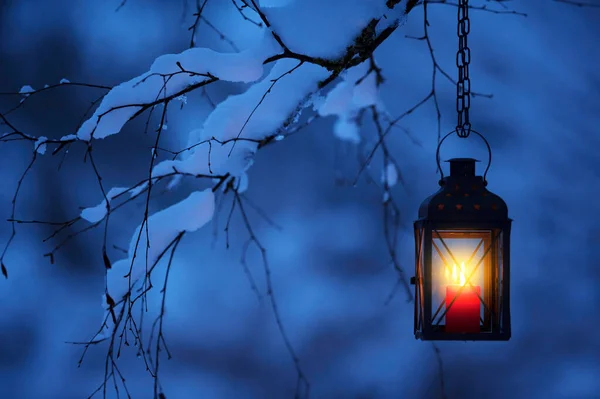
[(458, 276)]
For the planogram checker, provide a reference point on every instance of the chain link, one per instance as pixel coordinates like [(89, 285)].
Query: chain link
[(463, 59)]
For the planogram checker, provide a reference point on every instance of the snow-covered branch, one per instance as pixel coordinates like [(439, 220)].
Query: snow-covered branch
[(286, 72)]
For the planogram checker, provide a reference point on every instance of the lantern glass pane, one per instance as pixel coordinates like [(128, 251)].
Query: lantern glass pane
[(463, 278), (499, 280), (420, 272)]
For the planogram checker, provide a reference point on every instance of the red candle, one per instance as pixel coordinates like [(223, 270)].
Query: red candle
[(463, 315)]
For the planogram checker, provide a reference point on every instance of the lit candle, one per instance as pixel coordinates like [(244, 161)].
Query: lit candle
[(463, 315)]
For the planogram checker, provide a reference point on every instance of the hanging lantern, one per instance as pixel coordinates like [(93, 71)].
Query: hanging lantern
[(462, 276)]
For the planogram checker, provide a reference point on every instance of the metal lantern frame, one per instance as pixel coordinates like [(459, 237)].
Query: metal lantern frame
[(463, 208)]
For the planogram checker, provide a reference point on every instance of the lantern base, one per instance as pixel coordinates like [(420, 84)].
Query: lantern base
[(444, 336)]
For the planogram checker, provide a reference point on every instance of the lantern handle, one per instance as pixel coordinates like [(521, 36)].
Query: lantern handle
[(439, 166)]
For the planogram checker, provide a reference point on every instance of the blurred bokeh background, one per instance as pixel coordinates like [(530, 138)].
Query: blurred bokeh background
[(329, 263)]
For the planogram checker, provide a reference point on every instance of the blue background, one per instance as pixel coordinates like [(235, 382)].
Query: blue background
[(330, 270)]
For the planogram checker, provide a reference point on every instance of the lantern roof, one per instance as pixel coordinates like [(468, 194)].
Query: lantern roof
[(463, 197)]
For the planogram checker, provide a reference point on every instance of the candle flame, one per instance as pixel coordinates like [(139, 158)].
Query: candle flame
[(458, 275)]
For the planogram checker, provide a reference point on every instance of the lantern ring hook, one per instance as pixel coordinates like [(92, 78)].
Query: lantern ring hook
[(437, 156)]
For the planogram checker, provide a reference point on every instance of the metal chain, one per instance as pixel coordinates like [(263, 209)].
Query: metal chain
[(463, 58)]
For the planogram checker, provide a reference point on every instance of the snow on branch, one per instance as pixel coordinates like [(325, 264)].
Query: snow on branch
[(357, 91), (170, 76), (161, 230), (232, 132), (331, 23)]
